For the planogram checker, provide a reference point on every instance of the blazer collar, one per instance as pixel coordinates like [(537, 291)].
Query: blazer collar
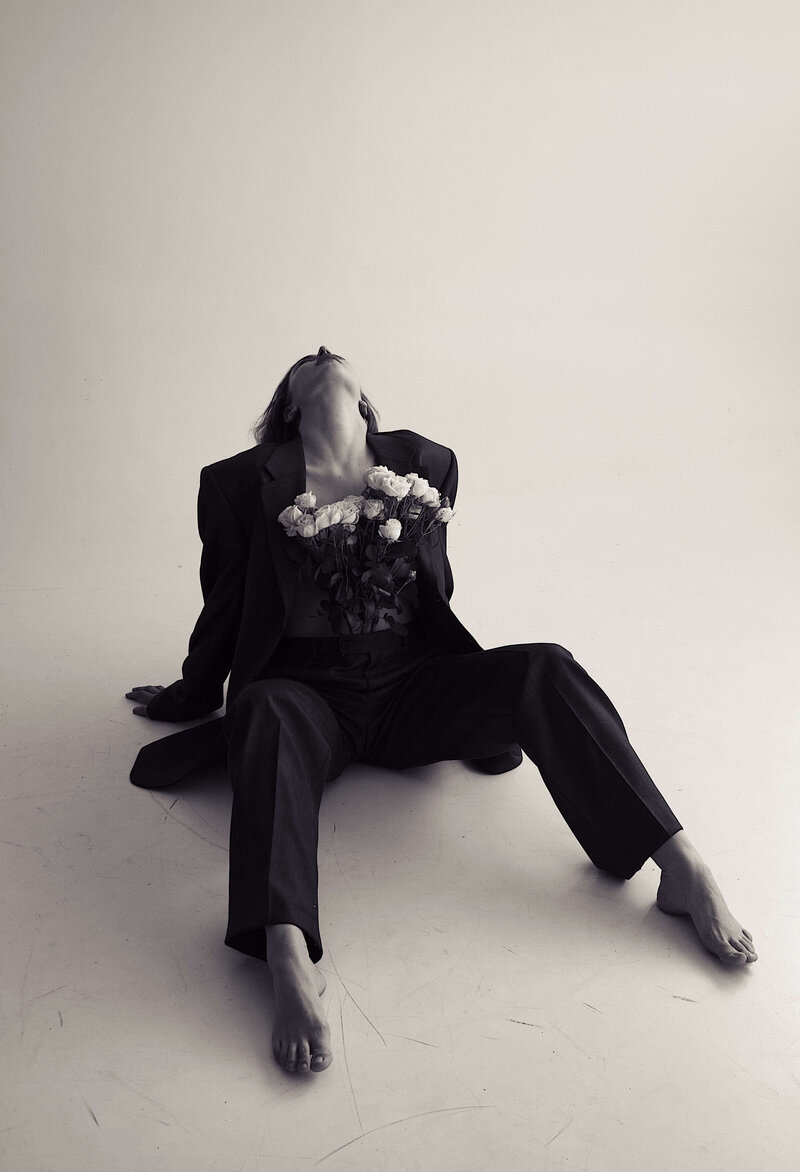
[(396, 453), (286, 460)]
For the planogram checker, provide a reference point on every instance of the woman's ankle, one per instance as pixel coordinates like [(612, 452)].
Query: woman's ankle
[(677, 852), (285, 943)]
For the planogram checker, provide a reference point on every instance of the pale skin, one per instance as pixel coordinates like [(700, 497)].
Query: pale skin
[(326, 392)]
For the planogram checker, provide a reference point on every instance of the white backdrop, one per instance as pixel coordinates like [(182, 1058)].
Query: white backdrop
[(560, 238)]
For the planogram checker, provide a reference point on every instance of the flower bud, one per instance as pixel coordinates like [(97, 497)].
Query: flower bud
[(391, 529)]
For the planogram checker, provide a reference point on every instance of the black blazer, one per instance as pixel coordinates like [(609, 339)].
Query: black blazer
[(248, 581)]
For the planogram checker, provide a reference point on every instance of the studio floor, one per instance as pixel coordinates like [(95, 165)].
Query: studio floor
[(495, 1002)]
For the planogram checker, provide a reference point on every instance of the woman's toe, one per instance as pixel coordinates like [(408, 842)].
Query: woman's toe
[(745, 946), (733, 955), (303, 1056), (290, 1057), (321, 1059)]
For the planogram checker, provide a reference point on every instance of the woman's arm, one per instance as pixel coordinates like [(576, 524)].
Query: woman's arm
[(448, 488), (222, 572)]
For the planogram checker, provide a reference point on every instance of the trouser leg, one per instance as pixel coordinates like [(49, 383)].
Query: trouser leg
[(536, 695), (284, 744), (566, 723)]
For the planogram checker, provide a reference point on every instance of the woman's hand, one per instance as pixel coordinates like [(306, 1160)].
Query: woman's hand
[(143, 695)]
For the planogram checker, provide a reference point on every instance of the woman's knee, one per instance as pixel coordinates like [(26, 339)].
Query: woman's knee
[(259, 694), (282, 724), (523, 669), (263, 706)]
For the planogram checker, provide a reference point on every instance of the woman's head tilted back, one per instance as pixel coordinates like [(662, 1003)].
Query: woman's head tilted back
[(315, 371)]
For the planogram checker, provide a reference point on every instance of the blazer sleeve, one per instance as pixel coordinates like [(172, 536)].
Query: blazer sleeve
[(223, 565), (500, 762), (448, 488), (449, 485)]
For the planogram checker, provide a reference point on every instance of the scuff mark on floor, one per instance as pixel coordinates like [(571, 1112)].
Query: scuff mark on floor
[(347, 1070), (560, 1132), (358, 1007), (91, 1112), (39, 996), (405, 1119), (585, 1053), (186, 825), (418, 1040)]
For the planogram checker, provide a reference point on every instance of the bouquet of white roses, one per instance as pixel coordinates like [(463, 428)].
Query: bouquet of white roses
[(362, 549)]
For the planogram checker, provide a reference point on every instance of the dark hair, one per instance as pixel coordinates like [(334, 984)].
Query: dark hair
[(271, 427)]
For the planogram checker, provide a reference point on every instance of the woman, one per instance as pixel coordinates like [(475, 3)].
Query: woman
[(303, 701)]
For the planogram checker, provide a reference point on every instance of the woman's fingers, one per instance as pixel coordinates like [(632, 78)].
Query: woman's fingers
[(143, 695), (144, 692)]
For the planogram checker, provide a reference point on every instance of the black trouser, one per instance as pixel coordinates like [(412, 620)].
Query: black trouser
[(398, 702)]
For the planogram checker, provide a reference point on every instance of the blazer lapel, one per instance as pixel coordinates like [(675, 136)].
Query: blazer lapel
[(396, 454), (283, 478)]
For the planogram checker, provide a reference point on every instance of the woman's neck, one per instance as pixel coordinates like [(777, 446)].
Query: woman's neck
[(334, 441)]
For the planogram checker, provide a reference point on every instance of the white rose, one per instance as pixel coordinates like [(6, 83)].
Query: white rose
[(431, 497), (444, 515), (306, 526), (306, 500), (395, 486), (322, 518), (383, 480), (372, 509), (374, 476), (350, 513), (289, 517), (391, 529), (419, 484)]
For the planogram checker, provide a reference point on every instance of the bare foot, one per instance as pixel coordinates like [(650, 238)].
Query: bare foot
[(688, 888), (300, 1037)]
